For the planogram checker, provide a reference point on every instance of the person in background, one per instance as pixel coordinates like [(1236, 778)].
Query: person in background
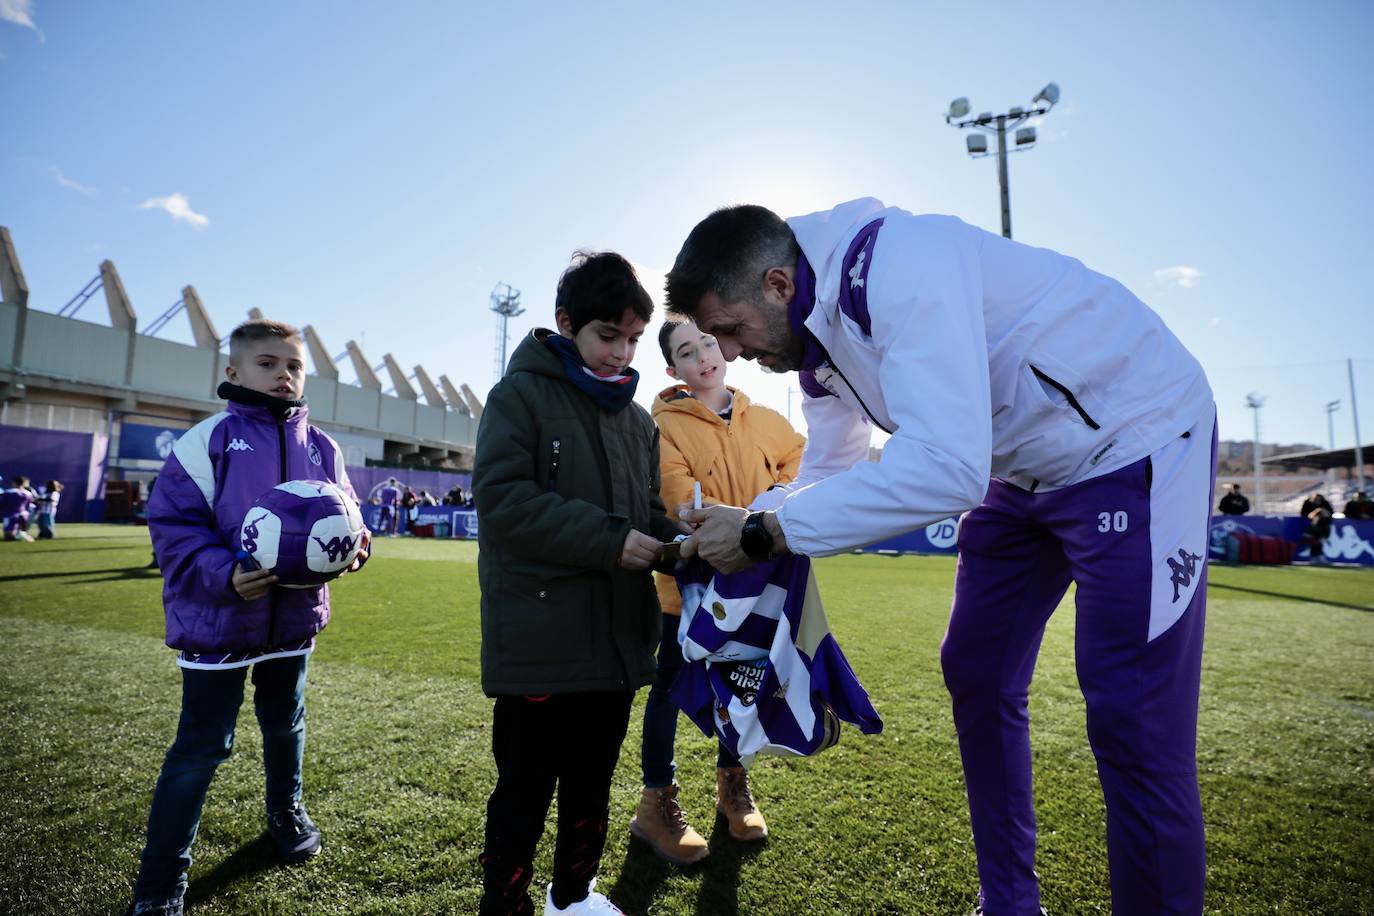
[(1234, 502), (1314, 502), (390, 497), (47, 510), (1359, 508), (16, 501)]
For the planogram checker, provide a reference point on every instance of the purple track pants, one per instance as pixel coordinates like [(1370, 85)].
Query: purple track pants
[(1135, 542)]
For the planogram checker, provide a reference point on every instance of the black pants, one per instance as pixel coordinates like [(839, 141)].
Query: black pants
[(568, 740)]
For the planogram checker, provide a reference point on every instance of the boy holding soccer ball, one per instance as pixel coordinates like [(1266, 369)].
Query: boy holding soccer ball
[(566, 482), (225, 617)]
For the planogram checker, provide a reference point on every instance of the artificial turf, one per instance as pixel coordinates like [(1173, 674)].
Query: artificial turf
[(398, 762)]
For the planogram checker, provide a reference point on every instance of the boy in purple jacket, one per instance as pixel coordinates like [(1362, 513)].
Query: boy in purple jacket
[(224, 618), (15, 503)]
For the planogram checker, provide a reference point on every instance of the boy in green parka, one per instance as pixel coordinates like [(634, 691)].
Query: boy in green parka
[(566, 480)]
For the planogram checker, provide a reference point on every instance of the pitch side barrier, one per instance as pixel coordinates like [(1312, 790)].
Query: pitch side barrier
[(1351, 542)]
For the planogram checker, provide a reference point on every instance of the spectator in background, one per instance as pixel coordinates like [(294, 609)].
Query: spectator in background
[(1313, 503), (390, 496), (1234, 502), (47, 510), (454, 496), (1317, 531), (1360, 508), (426, 499), (16, 501), (408, 503)]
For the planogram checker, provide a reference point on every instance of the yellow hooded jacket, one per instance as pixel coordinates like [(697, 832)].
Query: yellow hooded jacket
[(734, 461)]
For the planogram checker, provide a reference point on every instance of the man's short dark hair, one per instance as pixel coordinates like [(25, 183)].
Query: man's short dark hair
[(259, 329), (601, 286), (727, 254), (665, 333)]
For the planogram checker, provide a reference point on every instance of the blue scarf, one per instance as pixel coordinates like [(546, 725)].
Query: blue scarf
[(803, 301), (612, 394)]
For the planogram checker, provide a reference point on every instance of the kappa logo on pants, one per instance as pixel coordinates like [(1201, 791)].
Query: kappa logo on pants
[(1182, 570)]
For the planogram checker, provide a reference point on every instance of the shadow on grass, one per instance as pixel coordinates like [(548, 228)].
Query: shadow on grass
[(253, 857), (643, 874), (1289, 597), (131, 545), (119, 572)]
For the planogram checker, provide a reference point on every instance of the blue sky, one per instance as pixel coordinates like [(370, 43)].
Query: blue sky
[(375, 169)]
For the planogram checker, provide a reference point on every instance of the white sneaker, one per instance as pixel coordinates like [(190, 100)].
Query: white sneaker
[(593, 904)]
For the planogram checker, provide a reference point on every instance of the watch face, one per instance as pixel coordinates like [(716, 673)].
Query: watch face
[(754, 539)]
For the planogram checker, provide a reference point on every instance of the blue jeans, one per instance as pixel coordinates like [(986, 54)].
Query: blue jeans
[(210, 703), (660, 714)]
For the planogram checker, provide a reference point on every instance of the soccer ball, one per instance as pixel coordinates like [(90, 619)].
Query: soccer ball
[(306, 532)]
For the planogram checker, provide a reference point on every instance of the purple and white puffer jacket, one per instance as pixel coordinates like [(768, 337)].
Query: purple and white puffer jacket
[(216, 471)]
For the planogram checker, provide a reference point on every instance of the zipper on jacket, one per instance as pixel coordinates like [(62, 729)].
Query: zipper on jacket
[(556, 453), (831, 363), (1068, 395), (281, 452)]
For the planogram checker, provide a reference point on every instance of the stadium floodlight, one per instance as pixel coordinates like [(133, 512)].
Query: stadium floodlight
[(1331, 407), (1254, 402), (1049, 95), (989, 123)]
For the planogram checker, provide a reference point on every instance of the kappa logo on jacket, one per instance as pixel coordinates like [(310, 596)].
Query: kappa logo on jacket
[(238, 445), (313, 451)]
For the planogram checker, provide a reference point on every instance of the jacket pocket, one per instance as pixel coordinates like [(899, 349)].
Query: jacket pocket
[(1050, 384), (547, 621)]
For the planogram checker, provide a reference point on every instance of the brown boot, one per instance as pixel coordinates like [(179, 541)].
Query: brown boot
[(734, 800), (659, 821)]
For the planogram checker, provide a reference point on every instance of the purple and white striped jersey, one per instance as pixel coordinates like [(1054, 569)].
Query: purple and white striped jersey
[(763, 671)]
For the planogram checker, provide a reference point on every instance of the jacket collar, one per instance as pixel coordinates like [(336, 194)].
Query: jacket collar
[(245, 402)]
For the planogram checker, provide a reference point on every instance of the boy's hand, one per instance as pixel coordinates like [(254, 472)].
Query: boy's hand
[(364, 553), (639, 551), (253, 585)]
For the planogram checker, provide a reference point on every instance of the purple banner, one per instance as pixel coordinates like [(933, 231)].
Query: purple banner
[(49, 454)]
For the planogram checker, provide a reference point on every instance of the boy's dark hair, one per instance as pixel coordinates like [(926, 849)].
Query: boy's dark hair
[(727, 254), (21, 481), (664, 333), (259, 329), (601, 286), (55, 486)]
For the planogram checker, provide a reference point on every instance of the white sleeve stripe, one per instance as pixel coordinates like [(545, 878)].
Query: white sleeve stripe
[(193, 451)]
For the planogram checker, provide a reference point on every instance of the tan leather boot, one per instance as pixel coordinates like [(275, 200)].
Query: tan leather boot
[(659, 821), (734, 800)]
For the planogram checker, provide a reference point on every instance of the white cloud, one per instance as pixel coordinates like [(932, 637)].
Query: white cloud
[(66, 182), (177, 206), (1214, 322), (1182, 276), (20, 12)]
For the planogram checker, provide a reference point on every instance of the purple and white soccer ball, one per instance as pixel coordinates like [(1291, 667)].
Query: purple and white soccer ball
[(306, 532)]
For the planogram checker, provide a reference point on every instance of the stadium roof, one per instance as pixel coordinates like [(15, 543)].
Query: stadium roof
[(1322, 459)]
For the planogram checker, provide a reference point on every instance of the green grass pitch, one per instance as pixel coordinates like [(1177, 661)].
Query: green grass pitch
[(398, 763)]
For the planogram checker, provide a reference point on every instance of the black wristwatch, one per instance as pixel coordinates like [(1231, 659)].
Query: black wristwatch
[(754, 538)]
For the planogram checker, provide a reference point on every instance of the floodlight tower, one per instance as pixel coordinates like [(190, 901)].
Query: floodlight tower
[(505, 302), (1331, 407), (1255, 402), (999, 124)]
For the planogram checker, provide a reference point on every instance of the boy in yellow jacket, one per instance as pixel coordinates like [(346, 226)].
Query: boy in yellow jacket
[(712, 435)]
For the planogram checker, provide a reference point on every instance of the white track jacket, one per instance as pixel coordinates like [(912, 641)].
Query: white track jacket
[(983, 357)]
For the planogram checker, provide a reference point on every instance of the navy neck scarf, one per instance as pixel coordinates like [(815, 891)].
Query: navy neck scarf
[(610, 394), (803, 301), (278, 407)]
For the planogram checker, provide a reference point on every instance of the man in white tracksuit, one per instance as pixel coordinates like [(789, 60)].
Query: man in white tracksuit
[(1054, 409)]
